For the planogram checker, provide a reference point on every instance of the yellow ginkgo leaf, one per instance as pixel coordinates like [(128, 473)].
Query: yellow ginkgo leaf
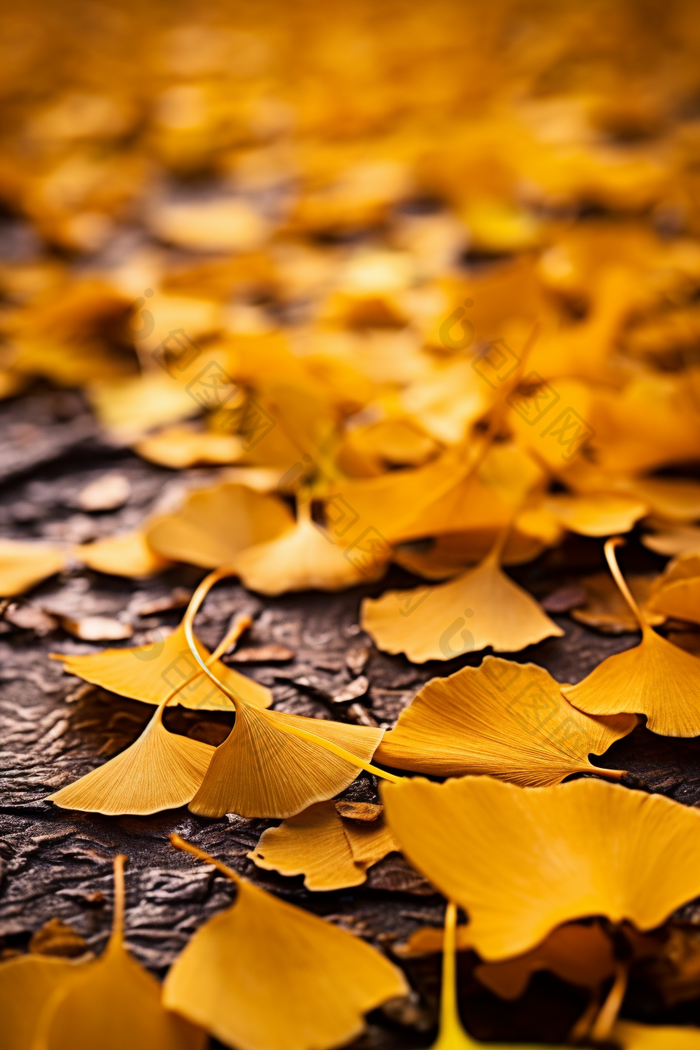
[(160, 770), (274, 764), (669, 498), (503, 719), (231, 981), (595, 515), (150, 672), (453, 552), (451, 1034), (126, 555), (522, 861), (632, 1036), (676, 592), (180, 446), (215, 524), (305, 558), (606, 609), (22, 565), (672, 540), (656, 678), (27, 982), (330, 851), (480, 608), (112, 1002)]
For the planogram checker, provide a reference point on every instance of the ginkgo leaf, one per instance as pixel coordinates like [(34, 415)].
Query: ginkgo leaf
[(451, 1034), (261, 770), (632, 1036), (215, 524), (578, 953), (180, 446), (595, 515), (22, 565), (606, 609), (27, 982), (480, 608), (306, 557), (503, 719), (150, 672), (676, 592), (671, 540), (160, 770), (229, 978), (331, 852), (274, 764), (522, 861), (112, 1002), (126, 555), (656, 678)]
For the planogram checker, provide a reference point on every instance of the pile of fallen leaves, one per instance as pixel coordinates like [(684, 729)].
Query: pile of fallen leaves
[(420, 285)]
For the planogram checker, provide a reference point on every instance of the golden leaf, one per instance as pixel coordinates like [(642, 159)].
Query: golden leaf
[(305, 558), (656, 678), (215, 524), (27, 983), (605, 607), (632, 1036), (676, 592), (503, 719), (23, 565), (150, 672), (674, 540), (160, 770), (229, 979), (522, 861), (112, 1002), (274, 764), (180, 446), (126, 555), (595, 515), (480, 608), (330, 852)]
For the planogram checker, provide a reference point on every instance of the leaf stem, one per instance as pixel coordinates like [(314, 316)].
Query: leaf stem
[(180, 843), (451, 1035), (601, 1030), (192, 609), (117, 935), (610, 545)]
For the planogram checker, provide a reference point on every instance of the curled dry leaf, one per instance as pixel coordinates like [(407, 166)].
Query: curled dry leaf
[(22, 565), (480, 608), (656, 678), (150, 672), (304, 558), (522, 861), (97, 628), (330, 851), (503, 719), (112, 1002), (676, 593), (229, 979), (105, 493), (127, 555), (215, 524)]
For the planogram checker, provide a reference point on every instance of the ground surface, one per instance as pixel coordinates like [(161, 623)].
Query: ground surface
[(58, 864)]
